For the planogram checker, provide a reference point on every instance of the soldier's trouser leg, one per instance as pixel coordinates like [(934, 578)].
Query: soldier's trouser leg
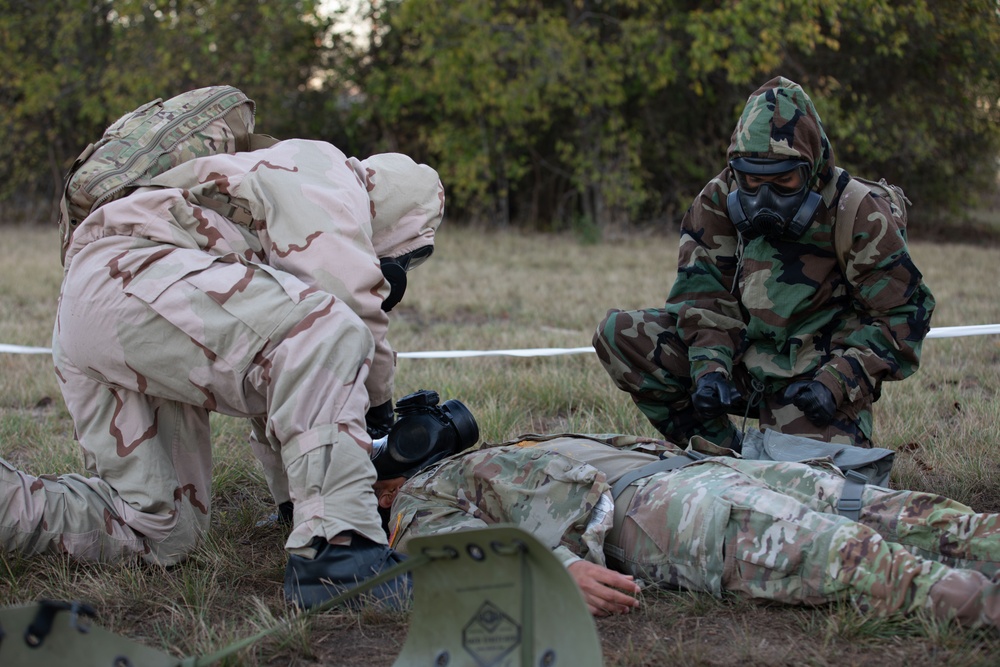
[(927, 524), (851, 425), (643, 354), (268, 453), (68, 514), (710, 527), (229, 338), (317, 402), (153, 460), (935, 527)]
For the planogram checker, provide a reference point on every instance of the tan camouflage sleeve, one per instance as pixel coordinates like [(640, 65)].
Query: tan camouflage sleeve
[(318, 228)]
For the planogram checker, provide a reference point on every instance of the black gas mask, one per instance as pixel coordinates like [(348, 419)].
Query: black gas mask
[(769, 209), (394, 270), (424, 433)]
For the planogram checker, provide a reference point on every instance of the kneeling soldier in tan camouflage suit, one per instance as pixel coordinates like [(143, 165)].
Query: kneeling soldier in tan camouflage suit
[(170, 311), (764, 529)]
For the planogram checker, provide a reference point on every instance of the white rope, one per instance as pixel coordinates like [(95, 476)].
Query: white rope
[(940, 332)]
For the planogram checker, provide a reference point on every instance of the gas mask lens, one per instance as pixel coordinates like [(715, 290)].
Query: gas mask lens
[(791, 181), (415, 258)]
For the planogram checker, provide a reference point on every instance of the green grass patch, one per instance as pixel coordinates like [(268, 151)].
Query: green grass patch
[(492, 291)]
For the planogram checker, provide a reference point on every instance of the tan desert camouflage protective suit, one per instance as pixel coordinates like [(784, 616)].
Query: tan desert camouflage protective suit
[(765, 529), (169, 312)]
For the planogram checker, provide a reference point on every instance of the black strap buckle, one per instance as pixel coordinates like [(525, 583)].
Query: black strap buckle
[(40, 628), (849, 504)]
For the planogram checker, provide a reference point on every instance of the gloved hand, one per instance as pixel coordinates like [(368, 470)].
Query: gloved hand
[(813, 399), (378, 420), (714, 395)]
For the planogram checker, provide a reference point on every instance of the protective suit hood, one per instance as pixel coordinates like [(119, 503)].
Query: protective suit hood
[(780, 122), (407, 202)]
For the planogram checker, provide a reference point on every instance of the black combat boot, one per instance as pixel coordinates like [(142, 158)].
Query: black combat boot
[(309, 582)]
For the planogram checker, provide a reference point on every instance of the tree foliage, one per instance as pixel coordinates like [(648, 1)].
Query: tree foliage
[(592, 113), (620, 110), (71, 67)]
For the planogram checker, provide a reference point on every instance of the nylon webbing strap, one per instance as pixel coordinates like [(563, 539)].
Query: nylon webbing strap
[(849, 504), (850, 201), (230, 209), (660, 465), (258, 141), (241, 133)]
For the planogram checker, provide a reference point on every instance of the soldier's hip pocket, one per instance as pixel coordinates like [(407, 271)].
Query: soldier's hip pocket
[(229, 310), (678, 543)]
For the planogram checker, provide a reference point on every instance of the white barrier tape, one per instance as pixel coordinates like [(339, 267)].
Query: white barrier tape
[(971, 330), (453, 354), (940, 332), (20, 349), (535, 352)]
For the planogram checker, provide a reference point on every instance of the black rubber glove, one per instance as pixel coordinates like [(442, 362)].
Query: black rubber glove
[(286, 511), (378, 420), (814, 400), (715, 395)]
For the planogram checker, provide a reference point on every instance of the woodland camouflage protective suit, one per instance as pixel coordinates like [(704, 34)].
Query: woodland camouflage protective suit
[(768, 312), (169, 312), (765, 529)]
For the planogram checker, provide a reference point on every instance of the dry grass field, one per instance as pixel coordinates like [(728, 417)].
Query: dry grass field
[(494, 291)]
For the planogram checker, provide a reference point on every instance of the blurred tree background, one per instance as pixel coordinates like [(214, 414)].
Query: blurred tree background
[(594, 115)]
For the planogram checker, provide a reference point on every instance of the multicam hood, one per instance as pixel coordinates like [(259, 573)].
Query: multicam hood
[(407, 202), (781, 122)]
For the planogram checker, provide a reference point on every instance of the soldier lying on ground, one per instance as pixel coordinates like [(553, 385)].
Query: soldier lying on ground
[(763, 529)]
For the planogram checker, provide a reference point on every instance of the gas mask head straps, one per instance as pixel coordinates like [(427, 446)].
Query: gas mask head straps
[(394, 271)]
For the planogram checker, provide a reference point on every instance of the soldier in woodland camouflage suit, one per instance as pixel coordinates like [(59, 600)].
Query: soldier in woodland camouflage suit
[(761, 316), (764, 529), (170, 311)]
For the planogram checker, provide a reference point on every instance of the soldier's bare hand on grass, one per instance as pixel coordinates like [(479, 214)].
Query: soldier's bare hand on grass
[(606, 592)]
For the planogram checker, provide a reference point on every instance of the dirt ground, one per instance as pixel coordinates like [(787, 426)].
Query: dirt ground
[(692, 630)]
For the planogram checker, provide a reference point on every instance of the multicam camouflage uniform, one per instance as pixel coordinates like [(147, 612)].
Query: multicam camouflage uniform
[(767, 313), (170, 311), (764, 529)]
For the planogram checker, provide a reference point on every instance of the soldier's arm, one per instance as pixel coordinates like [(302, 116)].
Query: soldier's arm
[(317, 226), (892, 301), (605, 591), (545, 493), (708, 314), (427, 519)]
